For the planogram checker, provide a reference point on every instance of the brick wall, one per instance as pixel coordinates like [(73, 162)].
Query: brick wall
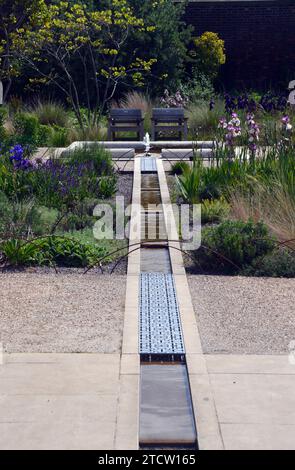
[(259, 39)]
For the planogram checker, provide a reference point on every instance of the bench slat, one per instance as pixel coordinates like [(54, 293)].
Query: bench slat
[(168, 113), (125, 120), (126, 114), (169, 119)]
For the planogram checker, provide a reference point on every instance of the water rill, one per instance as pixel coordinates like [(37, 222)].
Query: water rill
[(166, 415)]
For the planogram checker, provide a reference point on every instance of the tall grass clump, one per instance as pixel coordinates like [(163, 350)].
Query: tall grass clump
[(137, 100), (91, 133), (202, 120), (51, 113), (270, 196), (189, 182)]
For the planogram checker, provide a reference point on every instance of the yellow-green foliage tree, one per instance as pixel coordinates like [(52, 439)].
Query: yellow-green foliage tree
[(71, 36), (209, 54), (15, 16)]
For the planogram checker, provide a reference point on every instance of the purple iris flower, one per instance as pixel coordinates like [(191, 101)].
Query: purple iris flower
[(16, 153)]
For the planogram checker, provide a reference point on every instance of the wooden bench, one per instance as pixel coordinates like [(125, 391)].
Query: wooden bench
[(169, 119), (125, 120)]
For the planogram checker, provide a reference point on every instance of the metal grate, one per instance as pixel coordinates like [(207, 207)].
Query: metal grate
[(148, 164), (160, 326)]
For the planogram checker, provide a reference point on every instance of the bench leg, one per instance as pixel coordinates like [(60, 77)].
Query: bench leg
[(109, 134), (153, 132)]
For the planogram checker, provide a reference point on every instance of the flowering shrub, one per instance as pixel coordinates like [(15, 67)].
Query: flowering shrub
[(57, 183), (268, 103), (230, 130), (174, 101), (17, 157)]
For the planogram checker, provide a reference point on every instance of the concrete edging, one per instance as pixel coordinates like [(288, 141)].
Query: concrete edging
[(209, 434), (127, 433)]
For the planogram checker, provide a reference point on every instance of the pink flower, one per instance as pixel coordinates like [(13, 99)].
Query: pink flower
[(285, 120)]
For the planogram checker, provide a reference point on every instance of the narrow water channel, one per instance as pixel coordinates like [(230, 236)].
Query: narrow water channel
[(166, 411)]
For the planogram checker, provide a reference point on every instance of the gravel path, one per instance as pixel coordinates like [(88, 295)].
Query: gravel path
[(61, 313), (124, 187), (244, 315)]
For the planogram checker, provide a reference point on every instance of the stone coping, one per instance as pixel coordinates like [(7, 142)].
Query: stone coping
[(177, 144), (208, 430), (127, 432)]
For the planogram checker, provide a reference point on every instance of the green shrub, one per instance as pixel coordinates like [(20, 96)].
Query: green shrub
[(44, 135), (209, 53), (27, 129), (44, 221), (211, 187), (232, 245), (214, 210), (19, 253), (29, 132), (199, 88), (279, 263), (179, 167), (80, 216), (59, 137), (73, 221), (107, 186), (64, 251), (53, 250), (96, 154)]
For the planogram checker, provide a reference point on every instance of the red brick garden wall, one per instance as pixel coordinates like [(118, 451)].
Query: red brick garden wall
[(259, 39)]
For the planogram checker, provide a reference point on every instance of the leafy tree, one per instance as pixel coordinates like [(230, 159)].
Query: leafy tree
[(168, 42), (70, 36), (17, 15), (209, 54)]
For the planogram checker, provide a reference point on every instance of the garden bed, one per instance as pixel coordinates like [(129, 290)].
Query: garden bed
[(47, 208), (247, 210)]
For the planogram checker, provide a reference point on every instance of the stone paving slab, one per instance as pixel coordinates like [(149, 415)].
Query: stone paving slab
[(258, 436), (58, 401), (250, 364), (254, 398)]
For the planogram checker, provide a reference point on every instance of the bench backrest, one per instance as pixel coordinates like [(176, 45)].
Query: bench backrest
[(126, 115), (168, 114)]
